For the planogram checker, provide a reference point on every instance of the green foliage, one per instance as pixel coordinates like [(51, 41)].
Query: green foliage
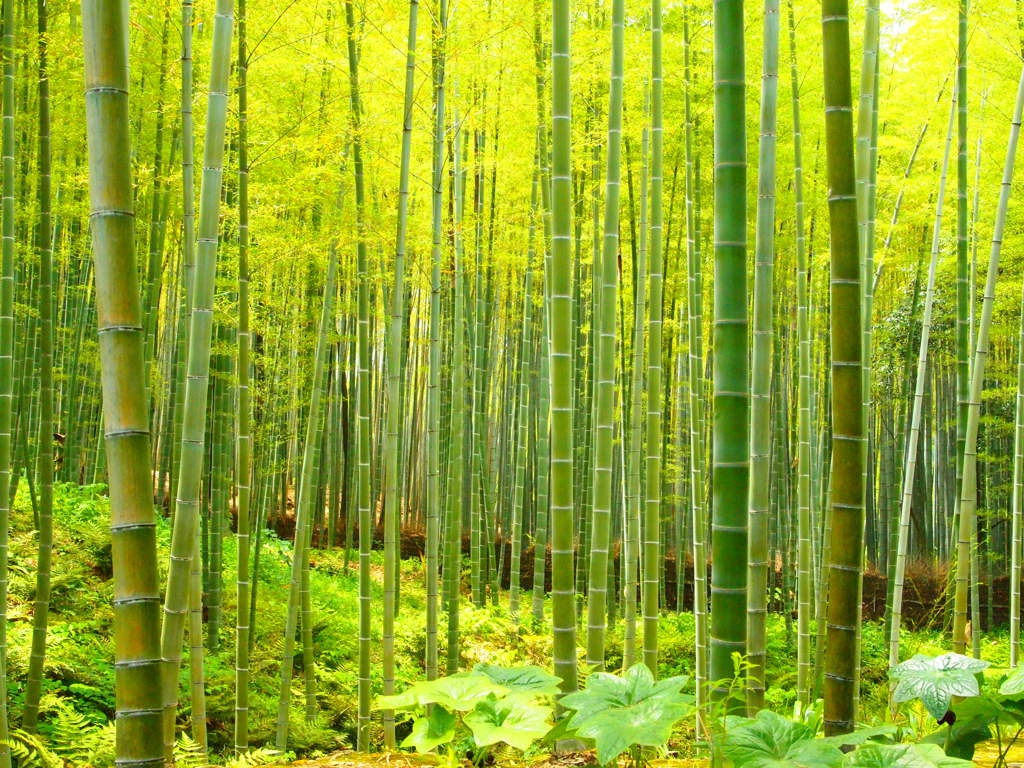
[(772, 741), (618, 713), (254, 758), (972, 716), (936, 680), (29, 751), (902, 756), (479, 709), (188, 753)]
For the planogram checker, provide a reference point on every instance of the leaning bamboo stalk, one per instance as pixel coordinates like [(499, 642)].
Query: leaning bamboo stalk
[(968, 493), (44, 454), (804, 386), (433, 489), (299, 585), (910, 453), (244, 438), (362, 384), (193, 435), (393, 491), (761, 367), (651, 528), (607, 283)]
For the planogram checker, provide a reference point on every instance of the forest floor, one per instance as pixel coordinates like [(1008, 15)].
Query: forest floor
[(78, 705)]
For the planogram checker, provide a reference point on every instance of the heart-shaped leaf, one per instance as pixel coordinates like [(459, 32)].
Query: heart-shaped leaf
[(458, 693), (935, 681), (532, 678), (429, 732), (619, 712), (873, 755), (861, 735), (772, 741), (515, 720), (1014, 683)]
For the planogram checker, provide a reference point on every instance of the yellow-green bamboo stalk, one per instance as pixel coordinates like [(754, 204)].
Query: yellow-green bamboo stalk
[(137, 658)]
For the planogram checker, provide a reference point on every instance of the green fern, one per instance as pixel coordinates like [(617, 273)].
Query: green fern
[(254, 758), (189, 753), (75, 738), (29, 751)]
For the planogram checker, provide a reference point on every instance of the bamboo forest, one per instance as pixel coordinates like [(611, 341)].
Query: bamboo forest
[(511, 383)]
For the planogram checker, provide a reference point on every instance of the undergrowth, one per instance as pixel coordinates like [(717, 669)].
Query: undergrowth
[(76, 727)]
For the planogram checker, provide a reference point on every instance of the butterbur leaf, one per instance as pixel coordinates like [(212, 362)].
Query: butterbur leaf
[(902, 756), (619, 712), (606, 691), (458, 693), (772, 741), (402, 701), (647, 723), (935, 681), (532, 678), (515, 720), (861, 735), (1013, 684), (432, 730)]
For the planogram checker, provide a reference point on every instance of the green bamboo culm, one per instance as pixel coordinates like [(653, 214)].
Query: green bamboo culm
[(761, 364), (44, 453), (606, 277), (1017, 496), (846, 529), (434, 353), (730, 433), (542, 529), (631, 525), (651, 529), (187, 243), (362, 385), (299, 585), (966, 535), (392, 492), (695, 393), (964, 301), (243, 439), (7, 351), (137, 658), (193, 434), (911, 451), (454, 508), (518, 494), (804, 388), (561, 353)]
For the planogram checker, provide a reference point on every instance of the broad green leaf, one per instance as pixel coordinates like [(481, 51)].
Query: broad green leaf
[(514, 720), (432, 730), (604, 691), (939, 758), (619, 712), (935, 681), (459, 693), (529, 678), (974, 716), (902, 756), (1014, 683), (647, 723), (772, 741), (402, 701), (861, 735)]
